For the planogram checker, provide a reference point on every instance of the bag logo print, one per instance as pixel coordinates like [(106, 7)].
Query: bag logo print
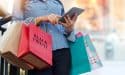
[(40, 41)]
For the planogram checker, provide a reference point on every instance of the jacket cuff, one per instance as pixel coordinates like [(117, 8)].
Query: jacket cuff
[(71, 37), (30, 20)]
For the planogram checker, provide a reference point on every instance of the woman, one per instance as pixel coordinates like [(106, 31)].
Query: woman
[(46, 14)]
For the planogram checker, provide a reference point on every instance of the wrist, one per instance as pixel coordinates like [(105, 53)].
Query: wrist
[(40, 19), (37, 20), (69, 30)]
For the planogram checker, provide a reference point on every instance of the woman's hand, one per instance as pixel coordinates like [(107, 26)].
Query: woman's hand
[(52, 18), (69, 22)]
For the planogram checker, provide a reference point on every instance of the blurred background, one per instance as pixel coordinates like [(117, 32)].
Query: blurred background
[(104, 21)]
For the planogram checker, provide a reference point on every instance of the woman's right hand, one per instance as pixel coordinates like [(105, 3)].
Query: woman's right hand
[(52, 18)]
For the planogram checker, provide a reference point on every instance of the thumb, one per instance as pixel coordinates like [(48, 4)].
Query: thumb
[(58, 16)]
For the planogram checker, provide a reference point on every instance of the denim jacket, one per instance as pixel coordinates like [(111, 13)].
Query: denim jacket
[(35, 8)]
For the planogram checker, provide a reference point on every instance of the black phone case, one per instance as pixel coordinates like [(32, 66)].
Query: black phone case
[(71, 13)]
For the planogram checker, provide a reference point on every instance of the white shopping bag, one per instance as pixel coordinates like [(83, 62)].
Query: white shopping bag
[(9, 46)]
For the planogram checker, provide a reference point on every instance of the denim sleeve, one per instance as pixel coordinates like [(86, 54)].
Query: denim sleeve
[(17, 14), (27, 20), (70, 36)]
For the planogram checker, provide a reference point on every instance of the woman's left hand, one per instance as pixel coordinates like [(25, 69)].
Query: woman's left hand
[(69, 22)]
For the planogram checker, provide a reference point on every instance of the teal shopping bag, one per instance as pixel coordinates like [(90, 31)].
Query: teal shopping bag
[(94, 59), (80, 62)]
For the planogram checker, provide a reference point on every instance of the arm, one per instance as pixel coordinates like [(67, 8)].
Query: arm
[(17, 14)]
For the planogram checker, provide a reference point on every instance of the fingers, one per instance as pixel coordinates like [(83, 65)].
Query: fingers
[(52, 18), (69, 22), (64, 24), (68, 19), (58, 16), (74, 18), (69, 28)]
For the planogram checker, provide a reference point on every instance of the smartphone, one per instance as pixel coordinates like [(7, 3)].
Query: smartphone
[(71, 13)]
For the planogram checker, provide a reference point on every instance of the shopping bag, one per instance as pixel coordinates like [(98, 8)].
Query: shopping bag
[(35, 47), (83, 47), (80, 62), (9, 46), (94, 59)]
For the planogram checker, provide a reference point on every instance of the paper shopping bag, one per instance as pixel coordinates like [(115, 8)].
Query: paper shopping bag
[(9, 46), (80, 63), (94, 59), (35, 47)]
